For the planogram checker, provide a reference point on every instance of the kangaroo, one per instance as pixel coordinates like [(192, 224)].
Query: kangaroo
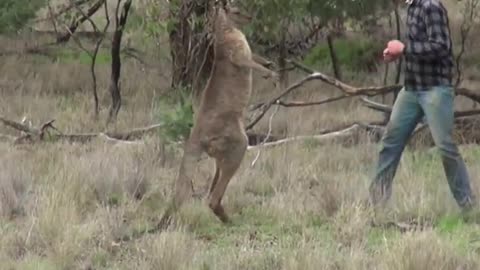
[(219, 128)]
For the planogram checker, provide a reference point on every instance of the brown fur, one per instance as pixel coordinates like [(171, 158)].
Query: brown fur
[(219, 128)]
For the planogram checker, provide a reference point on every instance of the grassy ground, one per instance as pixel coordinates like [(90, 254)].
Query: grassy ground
[(299, 207), (63, 206)]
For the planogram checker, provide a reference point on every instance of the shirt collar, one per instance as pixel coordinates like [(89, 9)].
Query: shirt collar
[(409, 2)]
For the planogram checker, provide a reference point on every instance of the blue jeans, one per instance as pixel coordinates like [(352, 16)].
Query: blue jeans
[(436, 105)]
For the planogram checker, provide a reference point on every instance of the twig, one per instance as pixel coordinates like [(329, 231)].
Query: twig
[(64, 10), (77, 21), (266, 137), (301, 103), (376, 105)]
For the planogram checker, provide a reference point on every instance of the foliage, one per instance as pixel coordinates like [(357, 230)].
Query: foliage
[(15, 14), (351, 55), (271, 16), (177, 119)]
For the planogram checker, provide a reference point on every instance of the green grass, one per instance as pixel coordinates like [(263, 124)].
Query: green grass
[(76, 56)]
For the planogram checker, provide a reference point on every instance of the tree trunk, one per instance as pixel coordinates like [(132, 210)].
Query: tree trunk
[(188, 46), (282, 62), (333, 57), (116, 61)]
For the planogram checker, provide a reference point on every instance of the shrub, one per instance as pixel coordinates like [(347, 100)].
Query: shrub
[(177, 119), (355, 55), (15, 14)]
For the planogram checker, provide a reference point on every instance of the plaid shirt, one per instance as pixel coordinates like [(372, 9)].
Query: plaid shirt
[(428, 46)]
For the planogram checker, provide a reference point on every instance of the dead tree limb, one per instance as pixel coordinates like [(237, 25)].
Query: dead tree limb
[(468, 93), (42, 133), (322, 137), (312, 103), (314, 75), (327, 135), (120, 22), (63, 10), (301, 103)]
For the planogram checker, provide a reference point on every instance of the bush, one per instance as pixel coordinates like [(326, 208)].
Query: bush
[(177, 119), (15, 14), (357, 55)]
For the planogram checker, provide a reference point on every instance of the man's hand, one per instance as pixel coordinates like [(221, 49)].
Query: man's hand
[(393, 51)]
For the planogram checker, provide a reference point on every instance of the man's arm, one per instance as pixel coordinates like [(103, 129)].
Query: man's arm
[(438, 43)]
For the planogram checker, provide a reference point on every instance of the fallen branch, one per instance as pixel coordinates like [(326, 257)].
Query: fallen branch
[(321, 137), (301, 103), (39, 134), (342, 132), (376, 105), (468, 93)]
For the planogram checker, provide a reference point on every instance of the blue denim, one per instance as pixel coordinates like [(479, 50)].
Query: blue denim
[(436, 105)]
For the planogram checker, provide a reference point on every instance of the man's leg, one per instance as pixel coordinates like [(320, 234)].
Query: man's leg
[(438, 107), (405, 116)]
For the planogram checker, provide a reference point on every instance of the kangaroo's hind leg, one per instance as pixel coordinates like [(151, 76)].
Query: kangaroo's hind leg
[(228, 163), (215, 177)]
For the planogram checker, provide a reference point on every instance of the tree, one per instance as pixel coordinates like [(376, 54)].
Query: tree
[(121, 16)]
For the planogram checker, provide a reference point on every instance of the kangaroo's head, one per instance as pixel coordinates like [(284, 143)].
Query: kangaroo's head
[(232, 13)]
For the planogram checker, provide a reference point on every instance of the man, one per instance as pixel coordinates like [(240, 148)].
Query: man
[(427, 92)]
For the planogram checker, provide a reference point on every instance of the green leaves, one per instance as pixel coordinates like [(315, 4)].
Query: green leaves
[(272, 16), (14, 14)]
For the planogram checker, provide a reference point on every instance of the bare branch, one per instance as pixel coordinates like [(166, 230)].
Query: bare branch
[(89, 19), (314, 75), (78, 21), (94, 59), (376, 105), (52, 19), (62, 11), (312, 103)]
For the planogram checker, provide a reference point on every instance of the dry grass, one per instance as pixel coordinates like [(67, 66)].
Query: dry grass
[(62, 206)]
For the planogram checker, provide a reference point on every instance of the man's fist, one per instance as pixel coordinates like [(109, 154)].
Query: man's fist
[(393, 51)]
